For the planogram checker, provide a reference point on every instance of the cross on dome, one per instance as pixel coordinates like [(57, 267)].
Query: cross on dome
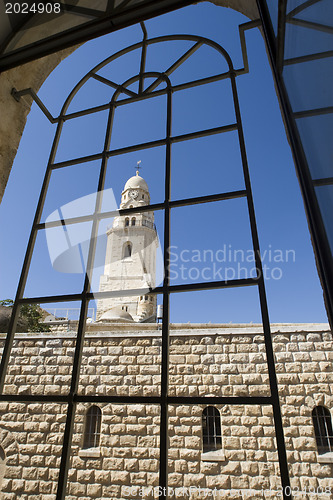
[(138, 167)]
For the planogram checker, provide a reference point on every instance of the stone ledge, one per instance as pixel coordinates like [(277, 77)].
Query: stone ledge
[(181, 330), (213, 456), (90, 453), (326, 458)]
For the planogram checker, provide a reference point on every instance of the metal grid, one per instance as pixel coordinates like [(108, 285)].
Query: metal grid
[(322, 423), (211, 429), (164, 400), (276, 50)]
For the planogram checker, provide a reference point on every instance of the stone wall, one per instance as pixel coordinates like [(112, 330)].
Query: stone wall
[(204, 360)]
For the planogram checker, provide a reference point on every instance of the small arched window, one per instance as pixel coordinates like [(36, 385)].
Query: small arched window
[(211, 429), (322, 424), (92, 428), (127, 250), (127, 222), (133, 221)]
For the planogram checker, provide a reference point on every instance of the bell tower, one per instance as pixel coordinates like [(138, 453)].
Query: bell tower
[(130, 261)]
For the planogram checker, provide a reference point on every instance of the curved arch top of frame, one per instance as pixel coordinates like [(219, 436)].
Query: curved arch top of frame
[(199, 41)]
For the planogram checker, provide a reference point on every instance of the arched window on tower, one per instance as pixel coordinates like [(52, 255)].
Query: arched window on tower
[(127, 222), (133, 221), (322, 424), (127, 250), (92, 427), (211, 429)]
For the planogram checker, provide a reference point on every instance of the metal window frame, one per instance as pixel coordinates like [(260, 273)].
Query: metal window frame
[(164, 400)]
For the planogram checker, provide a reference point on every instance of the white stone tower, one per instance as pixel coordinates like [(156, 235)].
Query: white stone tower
[(130, 261)]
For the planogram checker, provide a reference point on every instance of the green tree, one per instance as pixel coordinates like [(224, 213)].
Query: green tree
[(32, 313)]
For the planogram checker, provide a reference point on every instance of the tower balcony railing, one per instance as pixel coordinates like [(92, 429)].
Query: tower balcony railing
[(144, 222)]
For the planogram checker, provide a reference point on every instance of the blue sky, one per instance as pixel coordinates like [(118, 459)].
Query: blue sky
[(199, 234)]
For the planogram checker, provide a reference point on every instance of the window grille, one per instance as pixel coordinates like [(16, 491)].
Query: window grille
[(211, 429), (322, 424), (92, 428)]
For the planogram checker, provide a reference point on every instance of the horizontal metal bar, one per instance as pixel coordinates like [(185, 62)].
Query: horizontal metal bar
[(85, 112), (206, 199), (212, 285), (308, 57), (229, 400), (136, 147), (65, 222), (204, 133), (171, 400), (147, 145), (203, 81), (314, 112), (74, 297), (100, 216), (327, 181), (76, 161), (308, 24), (145, 208), (188, 287), (34, 398)]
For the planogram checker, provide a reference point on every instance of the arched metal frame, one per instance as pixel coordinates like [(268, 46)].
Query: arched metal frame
[(164, 400)]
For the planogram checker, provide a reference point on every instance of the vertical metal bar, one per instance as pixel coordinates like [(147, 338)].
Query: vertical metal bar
[(263, 303), (70, 418), (165, 326), (63, 473), (27, 260), (143, 57), (281, 33)]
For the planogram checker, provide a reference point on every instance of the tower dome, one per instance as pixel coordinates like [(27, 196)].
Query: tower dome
[(116, 314), (136, 182)]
